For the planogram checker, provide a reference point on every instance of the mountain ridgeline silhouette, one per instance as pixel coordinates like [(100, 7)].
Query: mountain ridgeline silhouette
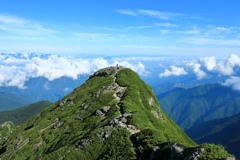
[(113, 115)]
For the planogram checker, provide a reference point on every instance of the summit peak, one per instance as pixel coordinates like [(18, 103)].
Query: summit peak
[(112, 70)]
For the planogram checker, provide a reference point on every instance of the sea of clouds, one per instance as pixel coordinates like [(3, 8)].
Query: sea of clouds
[(203, 68), (17, 68)]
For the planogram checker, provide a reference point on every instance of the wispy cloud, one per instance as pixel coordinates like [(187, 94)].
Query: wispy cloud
[(166, 24), (93, 36), (192, 32), (139, 27), (154, 25), (25, 38), (152, 13), (164, 31), (23, 26), (161, 15), (201, 40), (214, 31), (128, 12)]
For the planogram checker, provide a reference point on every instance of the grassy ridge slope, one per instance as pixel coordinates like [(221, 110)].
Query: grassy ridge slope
[(112, 116), (6, 129)]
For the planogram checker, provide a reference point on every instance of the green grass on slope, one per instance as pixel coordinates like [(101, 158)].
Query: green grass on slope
[(52, 142), (21, 115), (6, 129), (213, 151), (55, 133), (136, 100)]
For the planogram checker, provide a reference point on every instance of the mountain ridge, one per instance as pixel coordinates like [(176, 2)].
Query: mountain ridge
[(113, 115)]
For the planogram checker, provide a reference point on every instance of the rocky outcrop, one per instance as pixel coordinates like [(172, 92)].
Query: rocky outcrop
[(118, 92), (107, 71)]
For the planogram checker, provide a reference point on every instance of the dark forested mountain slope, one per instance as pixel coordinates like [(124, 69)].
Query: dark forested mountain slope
[(188, 107), (224, 131), (22, 114)]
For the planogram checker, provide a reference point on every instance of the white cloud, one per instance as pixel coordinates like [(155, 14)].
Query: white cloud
[(139, 27), (220, 30), (208, 62), (53, 67), (200, 40), (154, 25), (166, 24), (139, 67), (156, 14), (145, 58), (233, 82), (161, 15), (176, 71), (12, 76), (194, 31), (227, 67), (13, 60), (224, 68), (93, 37), (23, 26), (195, 67), (164, 31), (128, 12), (234, 60)]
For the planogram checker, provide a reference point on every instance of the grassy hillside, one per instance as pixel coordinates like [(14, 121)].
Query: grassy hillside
[(114, 115), (224, 131), (188, 107), (22, 114), (5, 130)]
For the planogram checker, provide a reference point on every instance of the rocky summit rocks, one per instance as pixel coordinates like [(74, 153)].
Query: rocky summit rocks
[(113, 115)]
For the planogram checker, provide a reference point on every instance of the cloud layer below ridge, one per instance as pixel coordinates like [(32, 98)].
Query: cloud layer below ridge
[(15, 69)]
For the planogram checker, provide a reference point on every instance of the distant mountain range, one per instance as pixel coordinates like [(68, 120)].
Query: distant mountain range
[(189, 81), (188, 107), (22, 114), (224, 131), (11, 101), (38, 89)]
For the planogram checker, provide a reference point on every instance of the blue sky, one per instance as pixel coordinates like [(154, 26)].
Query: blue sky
[(159, 28)]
